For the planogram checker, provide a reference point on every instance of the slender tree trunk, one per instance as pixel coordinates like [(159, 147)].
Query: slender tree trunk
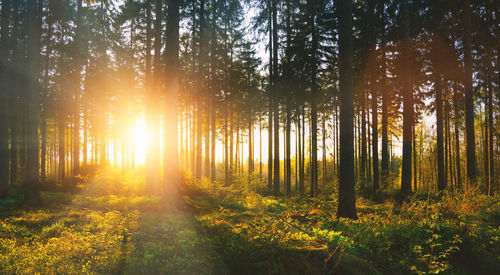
[(250, 149), (297, 156), (363, 139), (384, 91), (324, 151), (231, 144), (300, 141), (270, 119), (486, 154), (441, 184), (414, 155), (457, 137), (171, 156), (77, 91), (275, 102), (448, 166), (260, 148), (407, 102), (303, 154), (347, 197), (152, 158), (32, 185), (226, 150), (213, 57), (491, 177), (469, 100), (314, 107), (288, 167), (4, 98), (375, 141)]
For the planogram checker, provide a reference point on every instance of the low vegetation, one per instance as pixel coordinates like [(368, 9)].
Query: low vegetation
[(108, 226)]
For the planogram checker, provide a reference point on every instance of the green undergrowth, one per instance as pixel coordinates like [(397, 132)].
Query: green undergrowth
[(446, 233), (110, 227)]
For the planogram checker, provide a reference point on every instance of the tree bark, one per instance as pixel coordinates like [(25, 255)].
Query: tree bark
[(407, 92), (469, 94), (32, 185), (171, 156), (347, 197), (4, 98)]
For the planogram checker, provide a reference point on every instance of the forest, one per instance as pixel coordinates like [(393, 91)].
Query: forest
[(249, 136)]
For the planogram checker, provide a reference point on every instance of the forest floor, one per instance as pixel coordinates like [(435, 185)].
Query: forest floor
[(103, 225)]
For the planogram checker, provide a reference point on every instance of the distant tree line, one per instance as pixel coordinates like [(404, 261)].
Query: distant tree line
[(345, 80)]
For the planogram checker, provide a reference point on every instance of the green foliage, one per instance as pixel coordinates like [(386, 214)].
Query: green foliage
[(235, 230)]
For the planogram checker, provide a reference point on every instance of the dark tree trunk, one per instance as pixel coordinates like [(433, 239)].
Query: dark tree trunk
[(384, 91), (324, 151), (347, 196), (76, 97), (441, 184), (375, 142), (32, 181), (491, 171), (457, 137), (288, 160), (363, 139), (314, 107), (301, 153), (226, 150), (171, 156), (214, 80), (407, 102), (469, 97), (270, 93), (151, 161), (260, 148), (275, 102), (4, 98)]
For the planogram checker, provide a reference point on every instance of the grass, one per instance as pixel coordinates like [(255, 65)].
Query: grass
[(110, 227)]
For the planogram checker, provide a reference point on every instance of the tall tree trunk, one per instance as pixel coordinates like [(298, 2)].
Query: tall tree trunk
[(260, 148), (201, 92), (231, 144), (226, 149), (171, 156), (314, 107), (469, 97), (347, 196), (324, 151), (207, 98), (363, 138), (77, 93), (4, 98), (212, 99), (303, 155), (407, 102), (288, 160), (447, 142), (275, 102), (32, 185), (384, 91), (486, 154), (250, 148), (152, 123), (414, 155), (491, 171), (375, 140), (441, 184), (457, 137), (300, 141), (270, 93)]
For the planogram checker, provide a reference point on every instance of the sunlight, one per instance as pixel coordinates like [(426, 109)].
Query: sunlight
[(139, 138)]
